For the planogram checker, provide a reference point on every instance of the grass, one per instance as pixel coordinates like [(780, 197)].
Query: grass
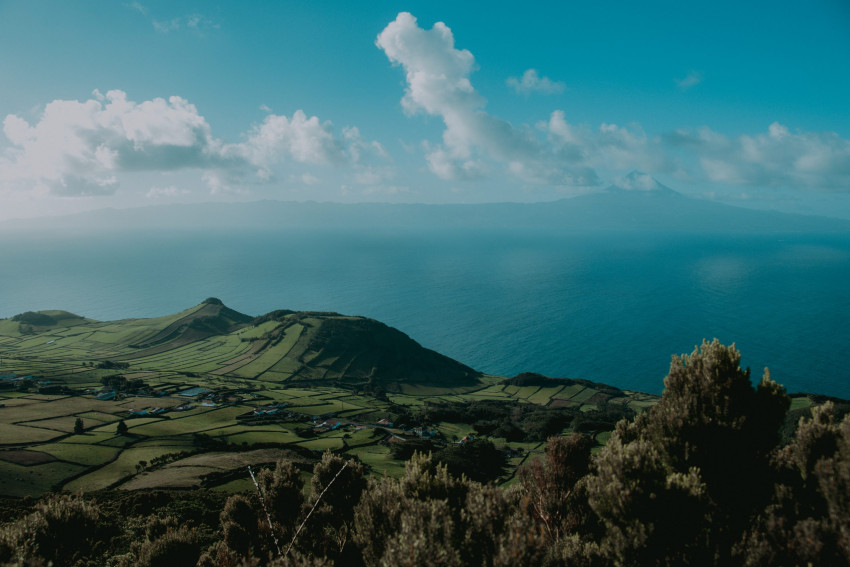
[(19, 481), (41, 426), (24, 435), (80, 453), (123, 466), (377, 457)]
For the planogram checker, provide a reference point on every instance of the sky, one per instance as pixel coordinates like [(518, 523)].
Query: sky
[(111, 103)]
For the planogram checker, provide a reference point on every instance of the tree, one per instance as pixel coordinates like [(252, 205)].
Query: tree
[(335, 490), (550, 484), (807, 521), (283, 491), (122, 428), (682, 483), (78, 426)]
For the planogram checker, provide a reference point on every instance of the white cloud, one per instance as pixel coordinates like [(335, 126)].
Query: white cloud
[(197, 23), (692, 79), (305, 140), (638, 181), (476, 144), (84, 148), (531, 82), (78, 147), (438, 84), (609, 146), (136, 6), (776, 158)]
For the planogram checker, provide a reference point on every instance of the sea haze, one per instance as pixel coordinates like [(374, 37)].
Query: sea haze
[(610, 307)]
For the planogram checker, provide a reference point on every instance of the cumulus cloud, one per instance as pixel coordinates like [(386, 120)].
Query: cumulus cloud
[(83, 148), (531, 82), (476, 144), (610, 146), (776, 158), (77, 147), (692, 79), (438, 84), (197, 23), (305, 139)]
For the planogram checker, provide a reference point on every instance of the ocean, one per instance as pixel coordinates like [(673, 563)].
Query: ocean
[(607, 307)]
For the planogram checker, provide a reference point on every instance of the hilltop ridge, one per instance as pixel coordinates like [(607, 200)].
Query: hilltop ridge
[(280, 346)]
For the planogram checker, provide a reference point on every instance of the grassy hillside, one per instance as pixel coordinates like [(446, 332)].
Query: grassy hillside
[(210, 380), (217, 342)]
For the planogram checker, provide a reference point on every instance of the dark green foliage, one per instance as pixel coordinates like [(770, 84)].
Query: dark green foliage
[(683, 481), (348, 483), (385, 505), (239, 521), (277, 315), (121, 428), (534, 379), (430, 517), (119, 383), (112, 365), (33, 318), (404, 451), (551, 484), (477, 460), (702, 478), (78, 426), (283, 490), (382, 354), (177, 547), (807, 521), (518, 421), (61, 529)]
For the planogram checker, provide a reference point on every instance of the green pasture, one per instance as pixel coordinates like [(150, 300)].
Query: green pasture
[(198, 423), (454, 430), (35, 480), (526, 392), (544, 395), (123, 466), (170, 476), (322, 443), (189, 471), (80, 453), (65, 424), (272, 355), (251, 437), (223, 363), (23, 435), (91, 437), (378, 458)]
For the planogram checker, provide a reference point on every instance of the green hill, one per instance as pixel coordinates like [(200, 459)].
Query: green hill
[(212, 339)]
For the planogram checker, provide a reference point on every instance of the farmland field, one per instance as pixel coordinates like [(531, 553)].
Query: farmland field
[(203, 392)]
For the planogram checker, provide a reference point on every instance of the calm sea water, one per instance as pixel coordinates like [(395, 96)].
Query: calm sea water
[(610, 308)]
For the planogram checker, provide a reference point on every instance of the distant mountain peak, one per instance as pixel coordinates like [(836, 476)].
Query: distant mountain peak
[(639, 181)]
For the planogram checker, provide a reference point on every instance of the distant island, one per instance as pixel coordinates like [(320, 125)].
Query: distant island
[(637, 203)]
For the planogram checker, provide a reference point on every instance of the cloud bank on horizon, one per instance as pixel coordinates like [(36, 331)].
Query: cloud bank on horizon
[(92, 147)]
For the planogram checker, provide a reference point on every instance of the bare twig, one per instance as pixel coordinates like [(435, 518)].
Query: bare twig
[(319, 499), (266, 510)]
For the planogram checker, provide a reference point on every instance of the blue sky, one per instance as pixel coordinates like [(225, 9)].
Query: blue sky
[(119, 104)]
